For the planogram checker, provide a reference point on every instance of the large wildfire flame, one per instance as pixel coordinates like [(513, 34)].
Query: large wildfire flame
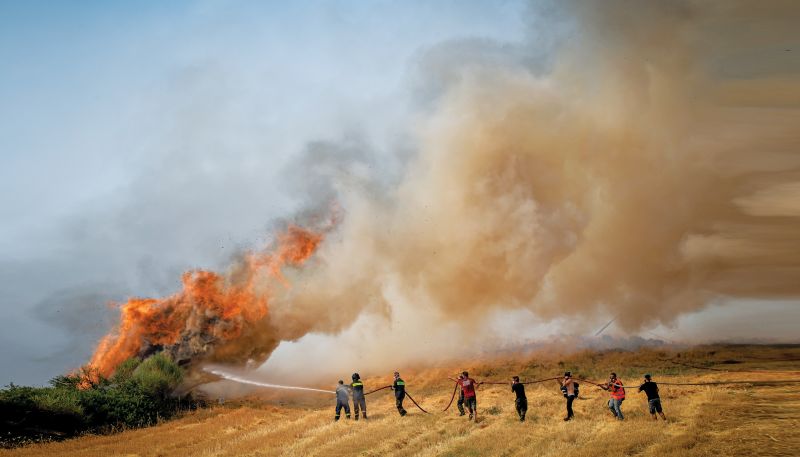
[(210, 314)]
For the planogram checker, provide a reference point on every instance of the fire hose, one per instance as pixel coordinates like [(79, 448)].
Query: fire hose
[(377, 390), (708, 383), (407, 394), (415, 403), (455, 388)]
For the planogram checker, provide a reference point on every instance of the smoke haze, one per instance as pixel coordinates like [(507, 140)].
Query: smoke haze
[(624, 178), (627, 181), (627, 160)]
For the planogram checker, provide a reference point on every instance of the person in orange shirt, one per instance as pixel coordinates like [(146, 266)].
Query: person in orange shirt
[(617, 390)]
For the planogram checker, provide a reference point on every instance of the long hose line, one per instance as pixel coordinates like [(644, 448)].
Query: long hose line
[(378, 390), (415, 403), (536, 381), (709, 383), (407, 394), (452, 397), (455, 388), (716, 383)]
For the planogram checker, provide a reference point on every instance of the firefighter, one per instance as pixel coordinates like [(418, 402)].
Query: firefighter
[(468, 386), (399, 388), (521, 402), (569, 388), (653, 400), (358, 396), (617, 390), (342, 401)]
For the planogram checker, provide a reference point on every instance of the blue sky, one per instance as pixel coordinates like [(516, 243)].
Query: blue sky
[(139, 139)]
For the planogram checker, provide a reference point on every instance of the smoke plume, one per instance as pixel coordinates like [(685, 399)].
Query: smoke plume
[(648, 166)]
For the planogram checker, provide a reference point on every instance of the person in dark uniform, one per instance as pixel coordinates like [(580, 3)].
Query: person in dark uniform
[(653, 400), (358, 396), (342, 400), (399, 388), (521, 402)]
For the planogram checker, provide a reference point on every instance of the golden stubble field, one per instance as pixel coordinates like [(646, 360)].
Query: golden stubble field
[(734, 420)]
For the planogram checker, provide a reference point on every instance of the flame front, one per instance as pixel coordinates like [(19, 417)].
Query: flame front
[(211, 310)]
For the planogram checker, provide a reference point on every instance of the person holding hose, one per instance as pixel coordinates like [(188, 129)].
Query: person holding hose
[(460, 402), (468, 386), (399, 388), (342, 400), (570, 390), (653, 401), (521, 402), (358, 396), (617, 390)]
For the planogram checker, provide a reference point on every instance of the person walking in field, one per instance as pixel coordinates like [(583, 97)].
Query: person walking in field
[(569, 388), (342, 400), (468, 386), (460, 402), (399, 388), (617, 390), (650, 388), (521, 402), (359, 401)]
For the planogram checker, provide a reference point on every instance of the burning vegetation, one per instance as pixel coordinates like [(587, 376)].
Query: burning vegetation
[(212, 315)]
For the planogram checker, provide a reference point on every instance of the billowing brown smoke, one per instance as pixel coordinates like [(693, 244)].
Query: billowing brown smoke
[(653, 167)]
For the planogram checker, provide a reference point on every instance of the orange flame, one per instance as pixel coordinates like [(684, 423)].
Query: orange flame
[(219, 307)]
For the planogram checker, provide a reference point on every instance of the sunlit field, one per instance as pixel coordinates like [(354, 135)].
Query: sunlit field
[(726, 420)]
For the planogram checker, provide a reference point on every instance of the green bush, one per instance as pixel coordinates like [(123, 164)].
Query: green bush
[(158, 376), (138, 394)]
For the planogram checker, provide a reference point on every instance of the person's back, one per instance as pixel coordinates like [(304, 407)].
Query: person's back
[(342, 394), (359, 402), (342, 400), (468, 386), (650, 388), (521, 402), (519, 390)]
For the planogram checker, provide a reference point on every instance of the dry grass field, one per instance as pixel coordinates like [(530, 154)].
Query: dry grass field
[(732, 420)]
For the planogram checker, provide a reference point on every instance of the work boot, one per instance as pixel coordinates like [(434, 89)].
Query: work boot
[(348, 416), (522, 419), (364, 414), (356, 416), (335, 419)]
